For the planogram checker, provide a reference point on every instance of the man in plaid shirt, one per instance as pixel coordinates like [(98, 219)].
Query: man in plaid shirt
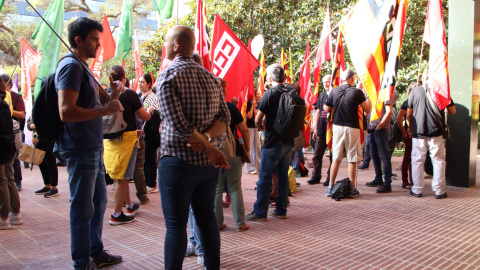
[(195, 113)]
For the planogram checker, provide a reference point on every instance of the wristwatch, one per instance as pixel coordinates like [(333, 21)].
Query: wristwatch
[(209, 139)]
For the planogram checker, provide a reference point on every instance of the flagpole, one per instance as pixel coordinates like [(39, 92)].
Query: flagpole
[(420, 63), (178, 3), (74, 55), (316, 48), (20, 59)]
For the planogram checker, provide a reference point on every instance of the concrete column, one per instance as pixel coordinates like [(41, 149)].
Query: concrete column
[(464, 69)]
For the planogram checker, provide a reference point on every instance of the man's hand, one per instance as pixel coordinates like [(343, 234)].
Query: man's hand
[(114, 106), (117, 88), (216, 157)]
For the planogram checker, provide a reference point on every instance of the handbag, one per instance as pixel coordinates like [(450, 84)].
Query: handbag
[(229, 148), (436, 112), (113, 125), (18, 135), (31, 155)]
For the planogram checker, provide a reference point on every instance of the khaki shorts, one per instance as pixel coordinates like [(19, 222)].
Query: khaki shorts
[(345, 143)]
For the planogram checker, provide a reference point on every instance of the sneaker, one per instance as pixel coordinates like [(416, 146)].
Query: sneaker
[(132, 211), (374, 184), (353, 193), (244, 228), (51, 193), (190, 250), (363, 167), (201, 260), (15, 219), (384, 189), (274, 214), (90, 266), (398, 168), (444, 195), (122, 219), (254, 217), (415, 194), (5, 224), (252, 172), (26, 165), (314, 180), (152, 189), (326, 183), (106, 259), (42, 191), (329, 192)]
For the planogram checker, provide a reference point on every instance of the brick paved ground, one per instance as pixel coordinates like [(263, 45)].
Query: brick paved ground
[(389, 231)]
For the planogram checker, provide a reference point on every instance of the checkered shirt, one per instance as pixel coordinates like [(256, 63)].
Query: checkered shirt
[(190, 99)]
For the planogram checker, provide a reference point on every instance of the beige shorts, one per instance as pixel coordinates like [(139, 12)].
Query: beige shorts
[(345, 142)]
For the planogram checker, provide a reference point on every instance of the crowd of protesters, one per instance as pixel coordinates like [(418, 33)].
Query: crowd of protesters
[(178, 138)]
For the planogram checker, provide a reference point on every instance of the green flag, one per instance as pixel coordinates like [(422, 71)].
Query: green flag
[(48, 42), (124, 40), (164, 8), (1, 4)]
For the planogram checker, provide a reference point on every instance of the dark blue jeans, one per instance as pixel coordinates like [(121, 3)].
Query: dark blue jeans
[(366, 154), (274, 160), (86, 176), (182, 184), (379, 150)]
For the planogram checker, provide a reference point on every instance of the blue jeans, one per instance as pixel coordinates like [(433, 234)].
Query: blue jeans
[(296, 163), (195, 237), (181, 185), (379, 150), (367, 155), (274, 160), (86, 176)]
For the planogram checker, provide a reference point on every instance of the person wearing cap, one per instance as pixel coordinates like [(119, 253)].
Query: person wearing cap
[(343, 103), (379, 130), (275, 154)]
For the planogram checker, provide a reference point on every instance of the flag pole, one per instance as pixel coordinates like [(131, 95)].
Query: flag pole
[(74, 55), (20, 59), (420, 63), (178, 3), (316, 48)]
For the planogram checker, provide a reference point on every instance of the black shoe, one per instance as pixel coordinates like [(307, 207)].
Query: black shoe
[(363, 167), (416, 195), (374, 184), (254, 217), (51, 193), (326, 183), (61, 164), (42, 191), (106, 259), (26, 165), (122, 219), (384, 189), (444, 195), (314, 180), (274, 214), (90, 266)]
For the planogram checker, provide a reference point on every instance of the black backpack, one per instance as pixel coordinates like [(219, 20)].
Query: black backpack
[(341, 189), (45, 113), (290, 116), (7, 137)]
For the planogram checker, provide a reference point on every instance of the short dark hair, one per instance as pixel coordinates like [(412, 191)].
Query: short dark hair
[(117, 73), (80, 28), (276, 73), (296, 87), (6, 79)]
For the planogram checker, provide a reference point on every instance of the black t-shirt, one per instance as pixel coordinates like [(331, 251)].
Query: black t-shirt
[(131, 103), (269, 106), (345, 114), (404, 107), (235, 119), (250, 121), (323, 114), (424, 121)]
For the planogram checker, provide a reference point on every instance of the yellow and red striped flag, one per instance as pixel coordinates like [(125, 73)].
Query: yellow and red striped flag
[(306, 92), (364, 27), (360, 123), (324, 53), (283, 61), (338, 62), (330, 129), (261, 75), (438, 71)]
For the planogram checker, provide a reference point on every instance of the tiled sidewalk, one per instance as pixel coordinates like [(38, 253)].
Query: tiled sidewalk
[(372, 231)]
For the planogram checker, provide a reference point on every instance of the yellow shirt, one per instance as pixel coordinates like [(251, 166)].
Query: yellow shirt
[(8, 99)]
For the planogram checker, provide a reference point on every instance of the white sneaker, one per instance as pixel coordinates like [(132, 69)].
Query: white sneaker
[(253, 172), (201, 260), (15, 219), (190, 249), (5, 224), (152, 189)]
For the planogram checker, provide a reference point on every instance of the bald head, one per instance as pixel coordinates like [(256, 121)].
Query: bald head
[(180, 40)]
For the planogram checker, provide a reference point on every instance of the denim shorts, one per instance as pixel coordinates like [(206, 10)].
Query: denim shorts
[(131, 163)]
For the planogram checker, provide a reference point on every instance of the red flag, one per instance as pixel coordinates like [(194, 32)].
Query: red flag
[(306, 126), (283, 61), (250, 84), (324, 53), (201, 47), (138, 64), (123, 63), (232, 61), (338, 63), (360, 123), (438, 71), (304, 80), (261, 75), (106, 49), (30, 62)]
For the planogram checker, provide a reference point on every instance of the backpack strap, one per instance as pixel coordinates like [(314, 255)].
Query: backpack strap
[(341, 99)]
